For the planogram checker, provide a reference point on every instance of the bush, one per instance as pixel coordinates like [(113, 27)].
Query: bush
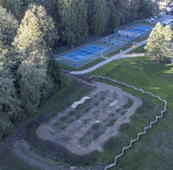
[(95, 126), (124, 128), (112, 143), (111, 122)]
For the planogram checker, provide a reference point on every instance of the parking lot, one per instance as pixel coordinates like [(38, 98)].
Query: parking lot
[(163, 19)]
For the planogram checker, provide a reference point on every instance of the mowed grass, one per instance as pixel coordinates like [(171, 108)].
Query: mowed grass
[(138, 50), (155, 149), (93, 63), (119, 50)]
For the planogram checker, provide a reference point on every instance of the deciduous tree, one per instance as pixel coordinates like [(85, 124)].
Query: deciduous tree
[(159, 43)]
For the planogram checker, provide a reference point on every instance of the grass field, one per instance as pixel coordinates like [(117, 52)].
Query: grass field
[(93, 63), (133, 71), (138, 50), (155, 150), (118, 51), (127, 132), (142, 39), (8, 160)]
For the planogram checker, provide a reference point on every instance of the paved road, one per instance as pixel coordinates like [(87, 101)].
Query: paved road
[(108, 60), (163, 18)]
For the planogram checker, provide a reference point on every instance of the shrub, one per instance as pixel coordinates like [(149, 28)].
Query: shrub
[(95, 126)]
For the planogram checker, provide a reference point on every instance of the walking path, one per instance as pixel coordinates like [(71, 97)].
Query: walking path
[(108, 60)]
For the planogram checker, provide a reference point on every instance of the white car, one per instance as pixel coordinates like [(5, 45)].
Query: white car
[(155, 17), (166, 22), (149, 19), (152, 19)]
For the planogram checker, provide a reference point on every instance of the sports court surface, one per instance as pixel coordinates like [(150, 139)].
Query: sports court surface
[(140, 29), (83, 56), (123, 37), (104, 45)]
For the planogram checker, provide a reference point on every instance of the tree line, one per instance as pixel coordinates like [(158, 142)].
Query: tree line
[(75, 20), (29, 73)]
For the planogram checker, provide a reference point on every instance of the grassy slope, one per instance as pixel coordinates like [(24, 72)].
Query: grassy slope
[(93, 63), (138, 50), (118, 51), (9, 161), (155, 150), (73, 91)]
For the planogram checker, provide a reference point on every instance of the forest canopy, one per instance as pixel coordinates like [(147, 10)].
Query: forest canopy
[(75, 20)]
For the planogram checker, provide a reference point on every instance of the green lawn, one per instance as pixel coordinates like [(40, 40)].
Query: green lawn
[(150, 108), (9, 161), (155, 149), (118, 51), (142, 39), (93, 63), (138, 50)]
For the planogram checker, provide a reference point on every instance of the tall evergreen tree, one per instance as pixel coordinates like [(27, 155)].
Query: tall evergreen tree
[(33, 55), (72, 20), (114, 20), (16, 7), (8, 27), (80, 11), (98, 16), (45, 22), (134, 9), (147, 8), (10, 105), (8, 30)]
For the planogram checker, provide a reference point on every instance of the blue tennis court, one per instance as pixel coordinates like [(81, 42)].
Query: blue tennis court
[(137, 31), (83, 56), (84, 53), (118, 42), (120, 38), (126, 38), (114, 36), (146, 28), (79, 55)]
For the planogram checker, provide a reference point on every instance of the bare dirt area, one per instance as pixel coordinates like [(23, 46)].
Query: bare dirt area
[(87, 127)]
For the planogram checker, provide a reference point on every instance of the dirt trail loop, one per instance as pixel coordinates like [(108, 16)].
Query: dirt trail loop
[(95, 126), (22, 150)]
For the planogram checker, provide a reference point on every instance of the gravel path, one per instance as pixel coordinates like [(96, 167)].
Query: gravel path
[(108, 60), (69, 137)]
